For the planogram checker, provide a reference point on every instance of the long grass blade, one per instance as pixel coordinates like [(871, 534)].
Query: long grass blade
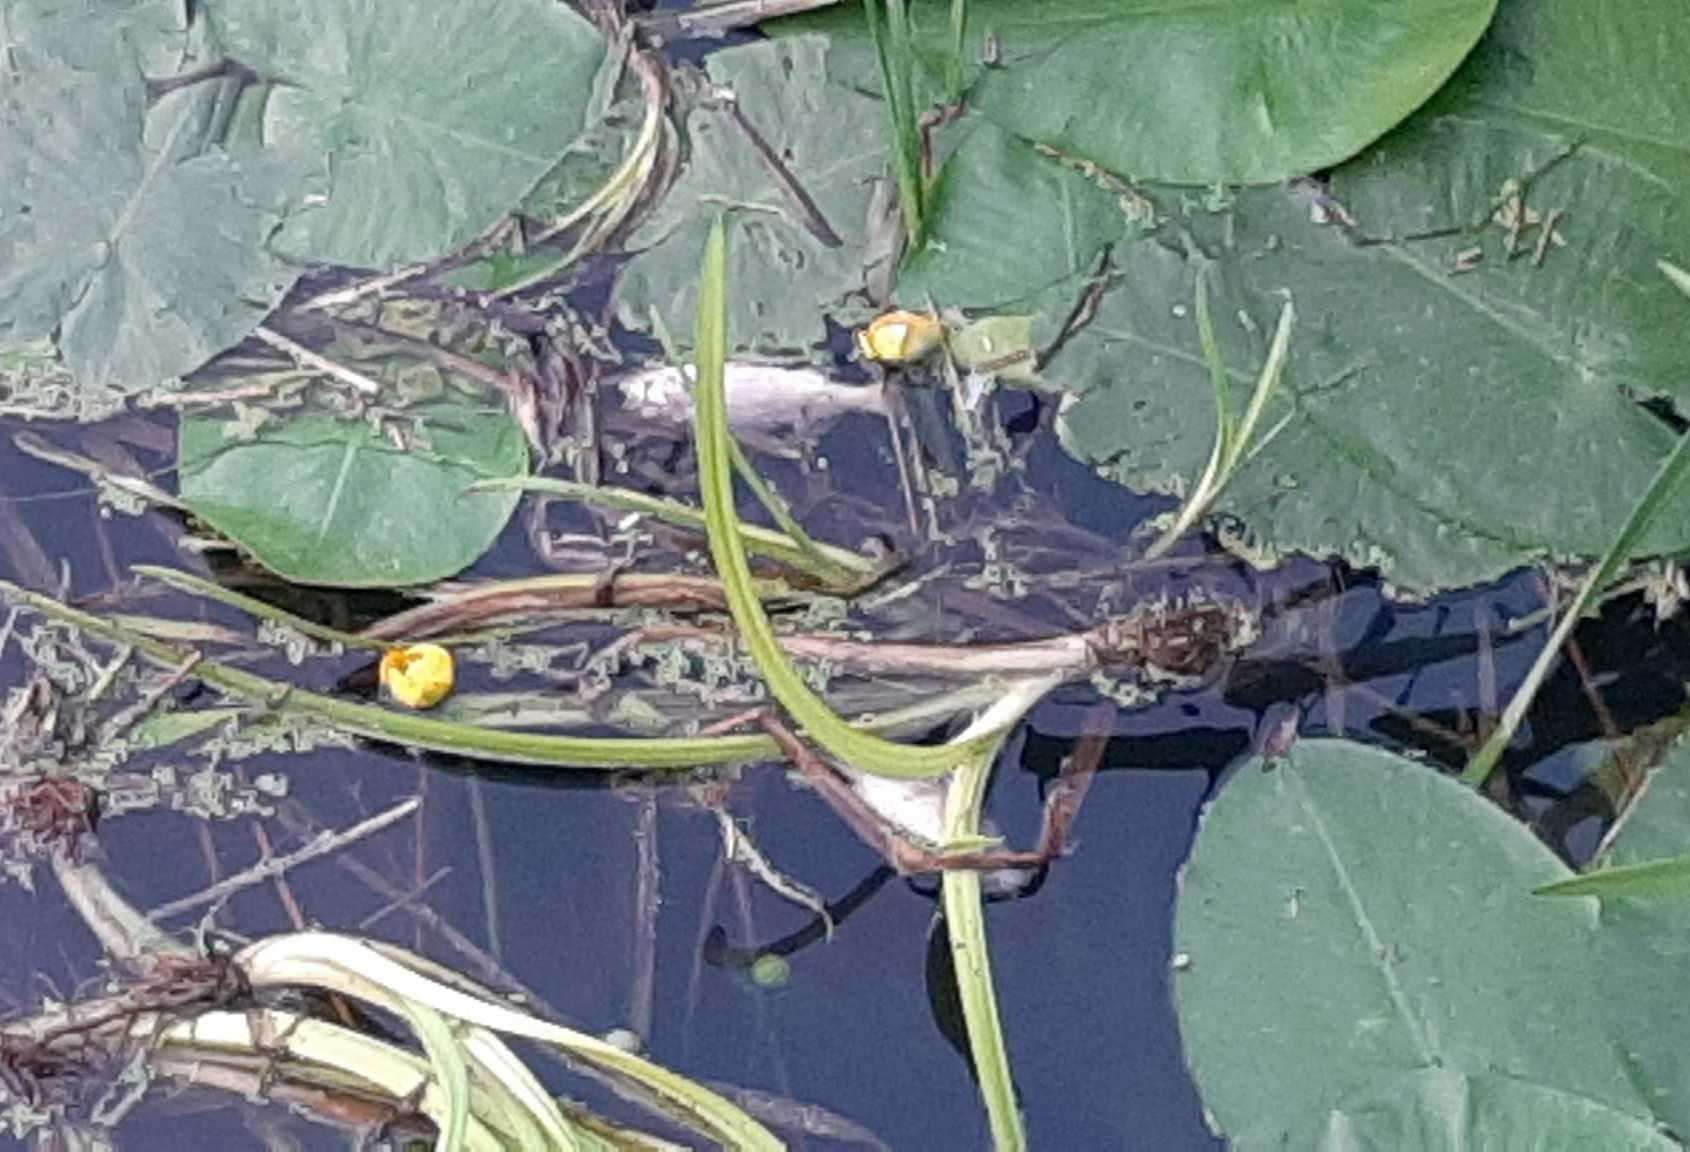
[(1232, 437), (965, 923), (1665, 485), (861, 750), (953, 62), (384, 978), (199, 586), (1669, 877), (894, 54), (451, 1072)]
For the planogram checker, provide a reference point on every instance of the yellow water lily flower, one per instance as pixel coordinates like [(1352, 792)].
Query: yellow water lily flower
[(900, 337), (417, 675)]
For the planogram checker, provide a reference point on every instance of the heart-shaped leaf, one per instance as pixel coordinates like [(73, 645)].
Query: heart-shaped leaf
[(322, 499), (433, 117), (1362, 954)]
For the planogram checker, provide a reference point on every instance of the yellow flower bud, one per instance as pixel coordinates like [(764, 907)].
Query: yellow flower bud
[(417, 675), (899, 337)]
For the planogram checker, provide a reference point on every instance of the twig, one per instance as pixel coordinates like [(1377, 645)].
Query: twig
[(741, 849), (322, 844), (512, 599), (729, 16), (648, 900), (317, 362), (814, 219)]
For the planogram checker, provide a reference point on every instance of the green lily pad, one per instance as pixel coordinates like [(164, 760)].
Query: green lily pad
[(434, 118), (127, 235), (1645, 940), (792, 262), (1425, 426), (1536, 108), (321, 499), (1657, 824), (1362, 951), (1233, 91), (1436, 1110), (1008, 223)]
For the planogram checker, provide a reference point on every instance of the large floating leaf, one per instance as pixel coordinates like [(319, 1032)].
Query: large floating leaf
[(321, 499), (1431, 426), (1538, 106), (1007, 222), (791, 261), (1657, 824), (1364, 954), (123, 231), (1199, 93), (434, 117), (1646, 942), (1436, 1110)]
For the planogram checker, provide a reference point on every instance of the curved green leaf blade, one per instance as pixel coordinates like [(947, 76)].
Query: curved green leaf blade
[(324, 500), (1424, 426), (434, 118), (1349, 917), (128, 235), (1666, 877), (863, 751), (1234, 91), (1646, 942)]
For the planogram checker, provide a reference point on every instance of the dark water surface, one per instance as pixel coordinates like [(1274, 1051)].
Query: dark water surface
[(542, 874)]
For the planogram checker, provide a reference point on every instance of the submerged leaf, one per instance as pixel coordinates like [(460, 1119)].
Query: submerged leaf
[(433, 118)]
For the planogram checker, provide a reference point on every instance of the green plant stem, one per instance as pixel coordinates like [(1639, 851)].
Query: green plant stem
[(862, 751), (1232, 436), (834, 567), (199, 586), (847, 574), (965, 924), (894, 54), (953, 63), (1667, 479), (428, 733)]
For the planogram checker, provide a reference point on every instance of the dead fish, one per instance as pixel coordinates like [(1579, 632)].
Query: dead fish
[(761, 397)]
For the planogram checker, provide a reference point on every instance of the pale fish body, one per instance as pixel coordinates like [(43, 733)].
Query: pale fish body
[(761, 397)]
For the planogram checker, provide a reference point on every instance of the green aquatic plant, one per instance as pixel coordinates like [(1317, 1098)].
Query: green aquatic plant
[(1663, 489), (894, 49), (968, 759)]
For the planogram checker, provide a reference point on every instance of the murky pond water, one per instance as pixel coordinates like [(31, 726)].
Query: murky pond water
[(613, 908)]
